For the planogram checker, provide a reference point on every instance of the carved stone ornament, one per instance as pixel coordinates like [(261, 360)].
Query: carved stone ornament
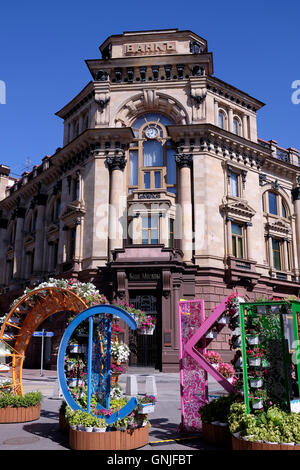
[(184, 159), (118, 162)]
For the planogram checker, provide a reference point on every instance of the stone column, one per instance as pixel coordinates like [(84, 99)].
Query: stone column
[(250, 237), (245, 126), (18, 251), (285, 254), (229, 236), (39, 235), (296, 201), (77, 254), (216, 110), (184, 162), (3, 246), (230, 120), (116, 166), (270, 251)]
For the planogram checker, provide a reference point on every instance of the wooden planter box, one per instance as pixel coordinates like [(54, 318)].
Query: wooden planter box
[(241, 444), (20, 415), (218, 435), (113, 440)]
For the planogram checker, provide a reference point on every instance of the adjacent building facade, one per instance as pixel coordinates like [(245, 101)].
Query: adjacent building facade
[(162, 190)]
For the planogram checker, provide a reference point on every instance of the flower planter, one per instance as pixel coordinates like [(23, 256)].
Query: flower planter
[(99, 429), (261, 309), (146, 408), (223, 321), (241, 444), (256, 383), (113, 440), (215, 366), (145, 331), (257, 404), (211, 335), (275, 309), (73, 383), (74, 348), (254, 361), (216, 434), (253, 339), (20, 415)]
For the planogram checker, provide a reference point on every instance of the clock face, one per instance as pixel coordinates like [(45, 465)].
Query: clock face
[(151, 132)]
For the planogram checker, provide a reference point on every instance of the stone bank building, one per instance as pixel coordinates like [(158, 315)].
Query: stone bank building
[(162, 190)]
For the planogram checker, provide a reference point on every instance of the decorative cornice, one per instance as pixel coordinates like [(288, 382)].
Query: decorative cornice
[(237, 208)]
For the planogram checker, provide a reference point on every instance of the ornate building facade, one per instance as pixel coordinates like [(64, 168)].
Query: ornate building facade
[(162, 190)]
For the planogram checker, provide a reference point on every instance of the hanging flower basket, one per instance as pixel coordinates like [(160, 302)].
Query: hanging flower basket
[(254, 361), (257, 404), (253, 339), (256, 382), (145, 331), (211, 334), (74, 348)]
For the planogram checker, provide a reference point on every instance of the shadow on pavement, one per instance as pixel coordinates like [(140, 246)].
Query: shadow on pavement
[(48, 431)]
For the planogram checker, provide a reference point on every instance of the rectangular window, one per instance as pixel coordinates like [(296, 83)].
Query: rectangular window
[(133, 168), (234, 185), (157, 178), (237, 240), (171, 233), (147, 180), (276, 253), (150, 230), (273, 203)]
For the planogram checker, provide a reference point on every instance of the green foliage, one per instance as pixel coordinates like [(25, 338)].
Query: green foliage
[(273, 425), (218, 409), (18, 401)]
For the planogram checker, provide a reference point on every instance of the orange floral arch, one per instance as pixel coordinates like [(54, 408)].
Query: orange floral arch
[(26, 316)]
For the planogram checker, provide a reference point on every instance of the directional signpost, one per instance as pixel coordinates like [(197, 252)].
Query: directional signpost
[(43, 334)]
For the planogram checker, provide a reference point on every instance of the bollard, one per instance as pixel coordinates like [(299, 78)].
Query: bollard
[(131, 385), (150, 387), (57, 393)]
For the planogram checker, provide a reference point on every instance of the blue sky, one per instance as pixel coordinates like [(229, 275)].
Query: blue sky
[(44, 45)]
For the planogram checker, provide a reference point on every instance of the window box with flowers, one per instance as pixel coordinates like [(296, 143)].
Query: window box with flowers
[(253, 338), (257, 399), (213, 358)]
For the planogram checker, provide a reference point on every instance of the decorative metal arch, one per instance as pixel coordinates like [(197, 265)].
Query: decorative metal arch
[(26, 316)]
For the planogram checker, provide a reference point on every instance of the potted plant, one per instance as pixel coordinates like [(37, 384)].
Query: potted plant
[(224, 319), (212, 333), (252, 337), (257, 398), (227, 371), (146, 404), (146, 325), (256, 378), (213, 358), (255, 356), (120, 352), (99, 424)]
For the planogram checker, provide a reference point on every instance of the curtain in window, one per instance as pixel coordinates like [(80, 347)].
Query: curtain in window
[(171, 166), (152, 153), (133, 168)]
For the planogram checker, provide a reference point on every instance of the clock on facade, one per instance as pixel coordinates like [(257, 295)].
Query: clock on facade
[(151, 132)]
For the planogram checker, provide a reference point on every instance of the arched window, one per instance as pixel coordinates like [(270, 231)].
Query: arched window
[(236, 126), (151, 157)]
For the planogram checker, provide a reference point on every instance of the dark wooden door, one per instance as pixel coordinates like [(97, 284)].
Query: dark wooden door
[(146, 349)]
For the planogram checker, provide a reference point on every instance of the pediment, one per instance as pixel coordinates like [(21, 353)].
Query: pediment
[(238, 208), (279, 226)]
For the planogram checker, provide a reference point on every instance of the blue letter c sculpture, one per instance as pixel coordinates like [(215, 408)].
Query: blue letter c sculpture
[(89, 313)]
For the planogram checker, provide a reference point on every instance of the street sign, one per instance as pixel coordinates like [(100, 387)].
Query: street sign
[(43, 333)]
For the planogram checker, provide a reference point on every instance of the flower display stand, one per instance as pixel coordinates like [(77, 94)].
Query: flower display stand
[(242, 444), (216, 434), (113, 440), (20, 414)]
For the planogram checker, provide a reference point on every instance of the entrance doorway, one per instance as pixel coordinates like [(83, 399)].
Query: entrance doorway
[(146, 349)]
